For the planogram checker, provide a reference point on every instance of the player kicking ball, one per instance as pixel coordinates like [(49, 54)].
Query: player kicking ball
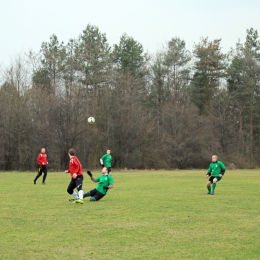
[(75, 170), (215, 172), (105, 182)]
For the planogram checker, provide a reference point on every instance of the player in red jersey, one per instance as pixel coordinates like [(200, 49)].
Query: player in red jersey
[(42, 162), (75, 170)]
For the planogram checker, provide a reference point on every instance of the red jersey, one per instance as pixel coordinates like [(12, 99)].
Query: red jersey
[(75, 166), (42, 159)]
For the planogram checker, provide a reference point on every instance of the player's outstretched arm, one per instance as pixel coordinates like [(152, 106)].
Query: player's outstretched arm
[(91, 176), (93, 179)]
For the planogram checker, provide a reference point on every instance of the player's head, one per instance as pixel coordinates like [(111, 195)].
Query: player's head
[(105, 170), (71, 152), (43, 150), (214, 158), (108, 151)]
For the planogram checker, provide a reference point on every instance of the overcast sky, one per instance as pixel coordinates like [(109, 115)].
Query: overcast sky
[(25, 24)]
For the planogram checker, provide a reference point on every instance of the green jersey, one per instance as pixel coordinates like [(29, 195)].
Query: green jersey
[(104, 180), (215, 168), (106, 158)]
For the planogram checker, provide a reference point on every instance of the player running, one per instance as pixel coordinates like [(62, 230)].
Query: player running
[(42, 162), (215, 171)]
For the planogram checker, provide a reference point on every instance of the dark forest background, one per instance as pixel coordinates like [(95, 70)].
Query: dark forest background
[(169, 110)]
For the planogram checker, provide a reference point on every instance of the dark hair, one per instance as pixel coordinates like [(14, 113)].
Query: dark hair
[(72, 151)]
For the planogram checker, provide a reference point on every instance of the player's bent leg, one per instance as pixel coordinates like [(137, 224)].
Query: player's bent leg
[(71, 187), (44, 175), (90, 193), (214, 186), (81, 194), (37, 176), (99, 196), (79, 185), (87, 194), (70, 191), (209, 187), (80, 191), (75, 196)]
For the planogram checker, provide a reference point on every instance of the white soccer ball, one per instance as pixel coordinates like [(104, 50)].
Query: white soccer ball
[(91, 120)]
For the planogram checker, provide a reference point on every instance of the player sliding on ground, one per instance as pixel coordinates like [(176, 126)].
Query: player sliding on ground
[(215, 171), (105, 182)]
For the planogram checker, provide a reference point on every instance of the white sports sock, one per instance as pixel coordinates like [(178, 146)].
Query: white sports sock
[(81, 194), (75, 195)]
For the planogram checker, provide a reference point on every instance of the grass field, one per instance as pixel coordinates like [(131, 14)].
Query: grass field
[(148, 215)]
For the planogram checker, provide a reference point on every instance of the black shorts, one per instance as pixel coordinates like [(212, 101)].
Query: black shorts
[(42, 169), (213, 177), (108, 169), (96, 194), (75, 183)]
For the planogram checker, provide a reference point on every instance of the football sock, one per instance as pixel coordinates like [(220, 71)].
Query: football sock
[(81, 194), (214, 186), (44, 177), (86, 194), (209, 188), (75, 195)]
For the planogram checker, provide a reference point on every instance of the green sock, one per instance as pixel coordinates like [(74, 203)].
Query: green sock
[(209, 188), (87, 194), (214, 186)]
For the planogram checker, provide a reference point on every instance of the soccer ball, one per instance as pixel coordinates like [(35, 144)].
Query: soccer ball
[(91, 120)]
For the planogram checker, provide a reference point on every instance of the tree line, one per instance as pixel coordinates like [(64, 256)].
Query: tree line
[(172, 109)]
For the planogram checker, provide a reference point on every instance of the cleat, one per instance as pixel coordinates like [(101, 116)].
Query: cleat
[(34, 182), (212, 193), (73, 199), (209, 193), (43, 183), (78, 201)]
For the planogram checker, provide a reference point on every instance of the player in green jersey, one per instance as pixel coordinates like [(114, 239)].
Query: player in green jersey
[(106, 160), (105, 182), (215, 172)]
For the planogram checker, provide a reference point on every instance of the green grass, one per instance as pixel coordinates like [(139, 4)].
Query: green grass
[(148, 215)]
